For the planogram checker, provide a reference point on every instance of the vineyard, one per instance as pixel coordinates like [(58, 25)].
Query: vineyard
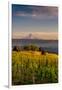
[(33, 67)]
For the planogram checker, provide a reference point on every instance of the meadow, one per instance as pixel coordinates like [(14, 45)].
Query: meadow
[(33, 67)]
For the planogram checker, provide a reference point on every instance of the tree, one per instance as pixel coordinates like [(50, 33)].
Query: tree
[(31, 47), (16, 48)]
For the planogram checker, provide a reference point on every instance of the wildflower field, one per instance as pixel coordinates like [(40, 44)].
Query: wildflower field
[(33, 67)]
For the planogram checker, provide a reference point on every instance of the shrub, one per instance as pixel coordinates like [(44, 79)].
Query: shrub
[(43, 52)]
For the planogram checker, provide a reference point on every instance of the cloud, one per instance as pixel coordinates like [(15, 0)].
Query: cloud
[(36, 11), (36, 35)]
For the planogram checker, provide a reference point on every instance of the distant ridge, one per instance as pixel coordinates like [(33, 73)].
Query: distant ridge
[(33, 39)]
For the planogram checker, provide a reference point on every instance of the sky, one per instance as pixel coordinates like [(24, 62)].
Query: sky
[(40, 22)]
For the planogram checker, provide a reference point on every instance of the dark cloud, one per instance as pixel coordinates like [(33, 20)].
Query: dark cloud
[(28, 10)]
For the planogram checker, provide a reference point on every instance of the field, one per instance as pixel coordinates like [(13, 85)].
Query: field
[(33, 67)]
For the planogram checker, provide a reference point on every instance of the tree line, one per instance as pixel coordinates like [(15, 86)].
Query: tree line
[(28, 48)]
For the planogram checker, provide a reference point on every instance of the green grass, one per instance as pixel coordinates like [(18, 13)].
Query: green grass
[(31, 67)]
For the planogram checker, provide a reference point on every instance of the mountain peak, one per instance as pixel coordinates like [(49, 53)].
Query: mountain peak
[(30, 36)]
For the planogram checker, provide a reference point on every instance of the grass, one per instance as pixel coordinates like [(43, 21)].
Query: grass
[(32, 67)]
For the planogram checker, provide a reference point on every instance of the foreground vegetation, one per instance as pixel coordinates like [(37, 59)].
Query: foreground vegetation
[(33, 67)]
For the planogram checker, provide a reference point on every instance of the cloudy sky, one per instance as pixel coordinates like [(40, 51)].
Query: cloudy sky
[(40, 22)]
